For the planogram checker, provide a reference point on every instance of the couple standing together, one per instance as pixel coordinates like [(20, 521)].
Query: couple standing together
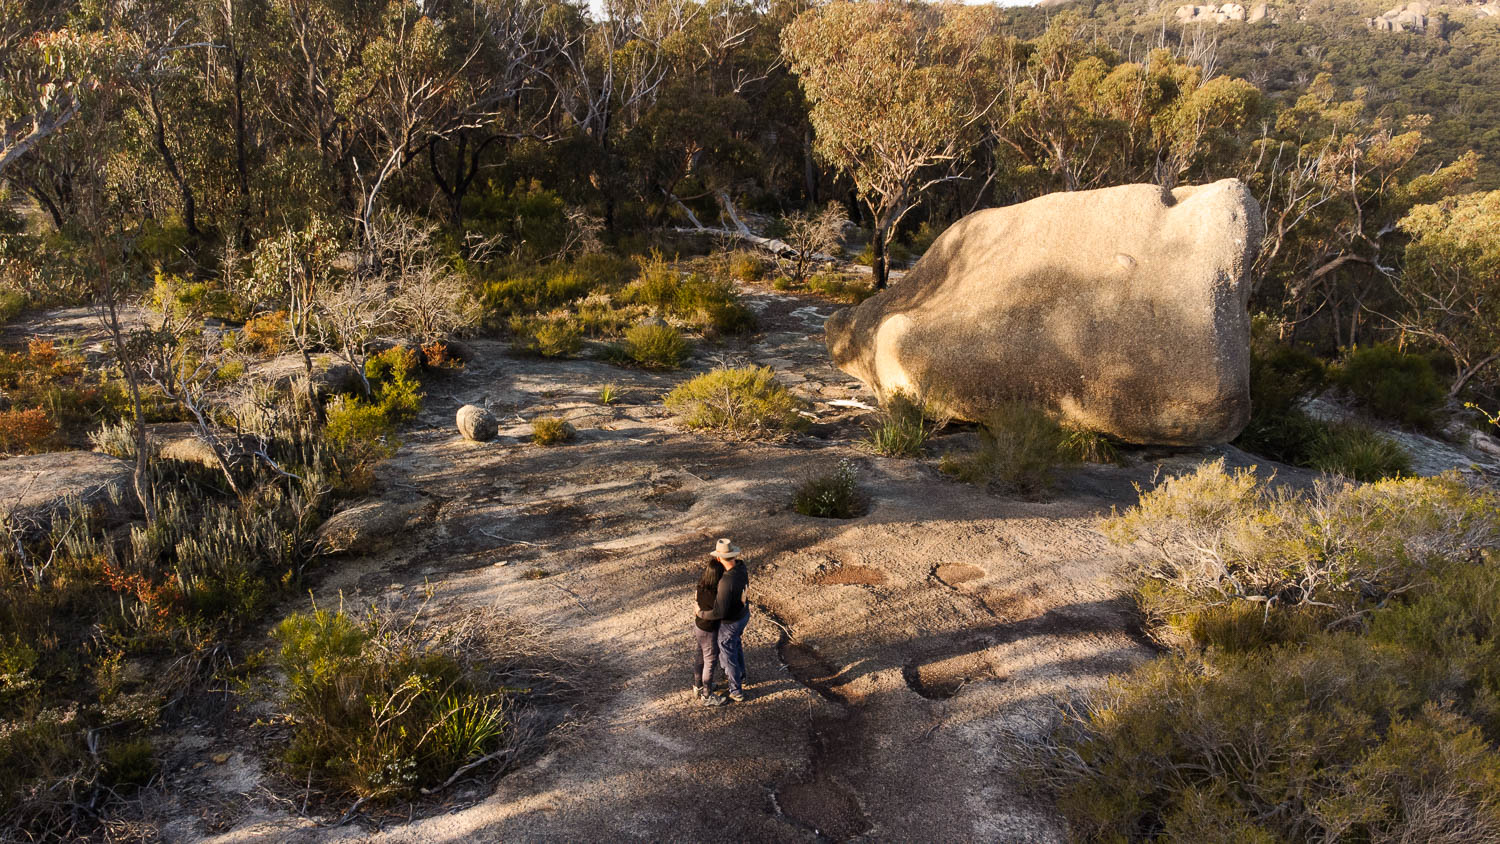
[(721, 620)]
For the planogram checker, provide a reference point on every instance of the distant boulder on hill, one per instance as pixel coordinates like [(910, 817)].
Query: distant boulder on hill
[(1122, 310)]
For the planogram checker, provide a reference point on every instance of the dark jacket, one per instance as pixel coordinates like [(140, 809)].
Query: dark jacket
[(729, 602), (708, 594)]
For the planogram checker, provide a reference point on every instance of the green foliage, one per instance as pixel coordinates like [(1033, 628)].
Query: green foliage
[(1020, 448), (394, 378), (1223, 538), (841, 288), (747, 266), (656, 346), (380, 710), (12, 303), (1451, 286), (609, 394), (364, 431), (552, 337), (1080, 445), (528, 289), (1334, 676), (1392, 384), (712, 305), (1330, 740), (1281, 377), (902, 429), (831, 496), (552, 430), (129, 764), (1357, 452), (746, 401)]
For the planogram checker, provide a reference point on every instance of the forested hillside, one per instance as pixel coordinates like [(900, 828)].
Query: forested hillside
[(1445, 72)]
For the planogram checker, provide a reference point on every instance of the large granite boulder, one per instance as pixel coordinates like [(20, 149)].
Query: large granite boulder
[(37, 487), (1122, 310)]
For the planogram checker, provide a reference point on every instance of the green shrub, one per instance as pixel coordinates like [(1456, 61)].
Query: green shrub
[(710, 305), (1020, 448), (1357, 452), (831, 496), (713, 306), (12, 303), (1221, 538), (1080, 445), (1335, 677), (531, 289), (609, 394), (1281, 377), (1392, 384), (393, 376), (747, 401), (552, 430), (902, 429), (363, 431), (380, 710), (747, 266), (1326, 741), (555, 337), (656, 346), (851, 289), (129, 764)]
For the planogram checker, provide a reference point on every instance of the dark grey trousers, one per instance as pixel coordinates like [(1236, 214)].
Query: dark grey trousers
[(706, 658)]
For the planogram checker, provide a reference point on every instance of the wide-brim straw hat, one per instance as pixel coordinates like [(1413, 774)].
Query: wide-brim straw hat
[(726, 550)]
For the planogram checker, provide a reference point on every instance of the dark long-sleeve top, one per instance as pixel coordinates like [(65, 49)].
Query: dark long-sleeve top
[(729, 603), (707, 597)]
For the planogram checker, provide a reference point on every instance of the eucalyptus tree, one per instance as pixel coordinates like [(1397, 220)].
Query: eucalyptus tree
[(893, 97)]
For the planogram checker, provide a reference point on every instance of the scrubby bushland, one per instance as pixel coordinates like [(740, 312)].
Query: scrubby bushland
[(1227, 538), (54, 399), (656, 346), (557, 336), (1332, 675), (831, 496), (709, 304), (552, 430), (747, 401), (1356, 452), (384, 706), (747, 266), (1020, 449), (525, 290), (842, 288), (108, 628), (1392, 384), (1282, 376), (902, 430)]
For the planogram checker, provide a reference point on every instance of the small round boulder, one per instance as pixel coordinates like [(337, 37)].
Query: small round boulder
[(477, 424)]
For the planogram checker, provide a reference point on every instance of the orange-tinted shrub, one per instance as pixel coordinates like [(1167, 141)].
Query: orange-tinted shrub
[(25, 431)]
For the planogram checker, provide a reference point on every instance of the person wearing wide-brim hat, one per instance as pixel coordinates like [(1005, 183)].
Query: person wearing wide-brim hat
[(733, 614)]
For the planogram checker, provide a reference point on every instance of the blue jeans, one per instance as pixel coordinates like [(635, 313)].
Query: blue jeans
[(731, 655)]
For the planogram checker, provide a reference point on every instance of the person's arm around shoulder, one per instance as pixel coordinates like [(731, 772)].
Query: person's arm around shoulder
[(724, 598)]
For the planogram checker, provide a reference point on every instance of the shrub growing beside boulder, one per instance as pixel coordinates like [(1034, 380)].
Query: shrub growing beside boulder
[(745, 401)]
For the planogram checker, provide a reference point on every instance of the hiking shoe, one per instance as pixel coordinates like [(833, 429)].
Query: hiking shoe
[(700, 692), (737, 696), (714, 700)]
